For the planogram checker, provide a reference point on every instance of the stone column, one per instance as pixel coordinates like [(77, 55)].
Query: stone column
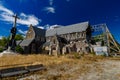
[(58, 49), (64, 50), (50, 49)]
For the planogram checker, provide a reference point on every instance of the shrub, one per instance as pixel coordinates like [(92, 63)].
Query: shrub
[(77, 56), (1, 49), (19, 49)]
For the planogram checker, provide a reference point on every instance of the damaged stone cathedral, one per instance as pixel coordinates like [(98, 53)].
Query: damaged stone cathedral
[(59, 40)]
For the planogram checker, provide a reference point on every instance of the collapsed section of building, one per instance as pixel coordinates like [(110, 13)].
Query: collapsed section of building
[(34, 40), (59, 40)]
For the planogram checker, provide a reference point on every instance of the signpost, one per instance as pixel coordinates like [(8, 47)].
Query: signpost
[(101, 50)]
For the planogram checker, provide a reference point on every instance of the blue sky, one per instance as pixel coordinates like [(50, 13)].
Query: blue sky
[(44, 13)]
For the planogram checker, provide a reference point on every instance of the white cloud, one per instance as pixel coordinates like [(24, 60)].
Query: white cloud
[(54, 26), (6, 15), (49, 9), (22, 32), (22, 14), (5, 10), (47, 26), (28, 19), (41, 27), (51, 2)]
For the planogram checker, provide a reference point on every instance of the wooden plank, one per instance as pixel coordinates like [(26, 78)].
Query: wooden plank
[(113, 39), (16, 71), (114, 49), (13, 71), (35, 67)]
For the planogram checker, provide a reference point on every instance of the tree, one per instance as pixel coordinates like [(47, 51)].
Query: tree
[(5, 40), (18, 47), (19, 37), (3, 43)]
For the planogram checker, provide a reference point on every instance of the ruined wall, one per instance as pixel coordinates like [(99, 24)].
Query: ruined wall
[(30, 34)]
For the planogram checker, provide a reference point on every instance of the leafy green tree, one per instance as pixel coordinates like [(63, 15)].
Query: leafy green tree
[(19, 37), (5, 40), (19, 49), (1, 49)]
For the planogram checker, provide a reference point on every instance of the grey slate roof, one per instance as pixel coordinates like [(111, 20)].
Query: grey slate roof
[(46, 44), (18, 42), (39, 32), (26, 42), (68, 29)]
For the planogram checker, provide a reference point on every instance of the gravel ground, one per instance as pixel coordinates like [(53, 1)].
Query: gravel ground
[(107, 70), (98, 70)]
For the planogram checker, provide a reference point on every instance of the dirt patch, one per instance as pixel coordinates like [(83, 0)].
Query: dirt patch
[(106, 70), (87, 67)]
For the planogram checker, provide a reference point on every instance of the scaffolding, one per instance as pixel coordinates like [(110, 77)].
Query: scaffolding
[(108, 39)]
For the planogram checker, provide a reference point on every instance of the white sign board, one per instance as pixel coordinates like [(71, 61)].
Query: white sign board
[(101, 50)]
